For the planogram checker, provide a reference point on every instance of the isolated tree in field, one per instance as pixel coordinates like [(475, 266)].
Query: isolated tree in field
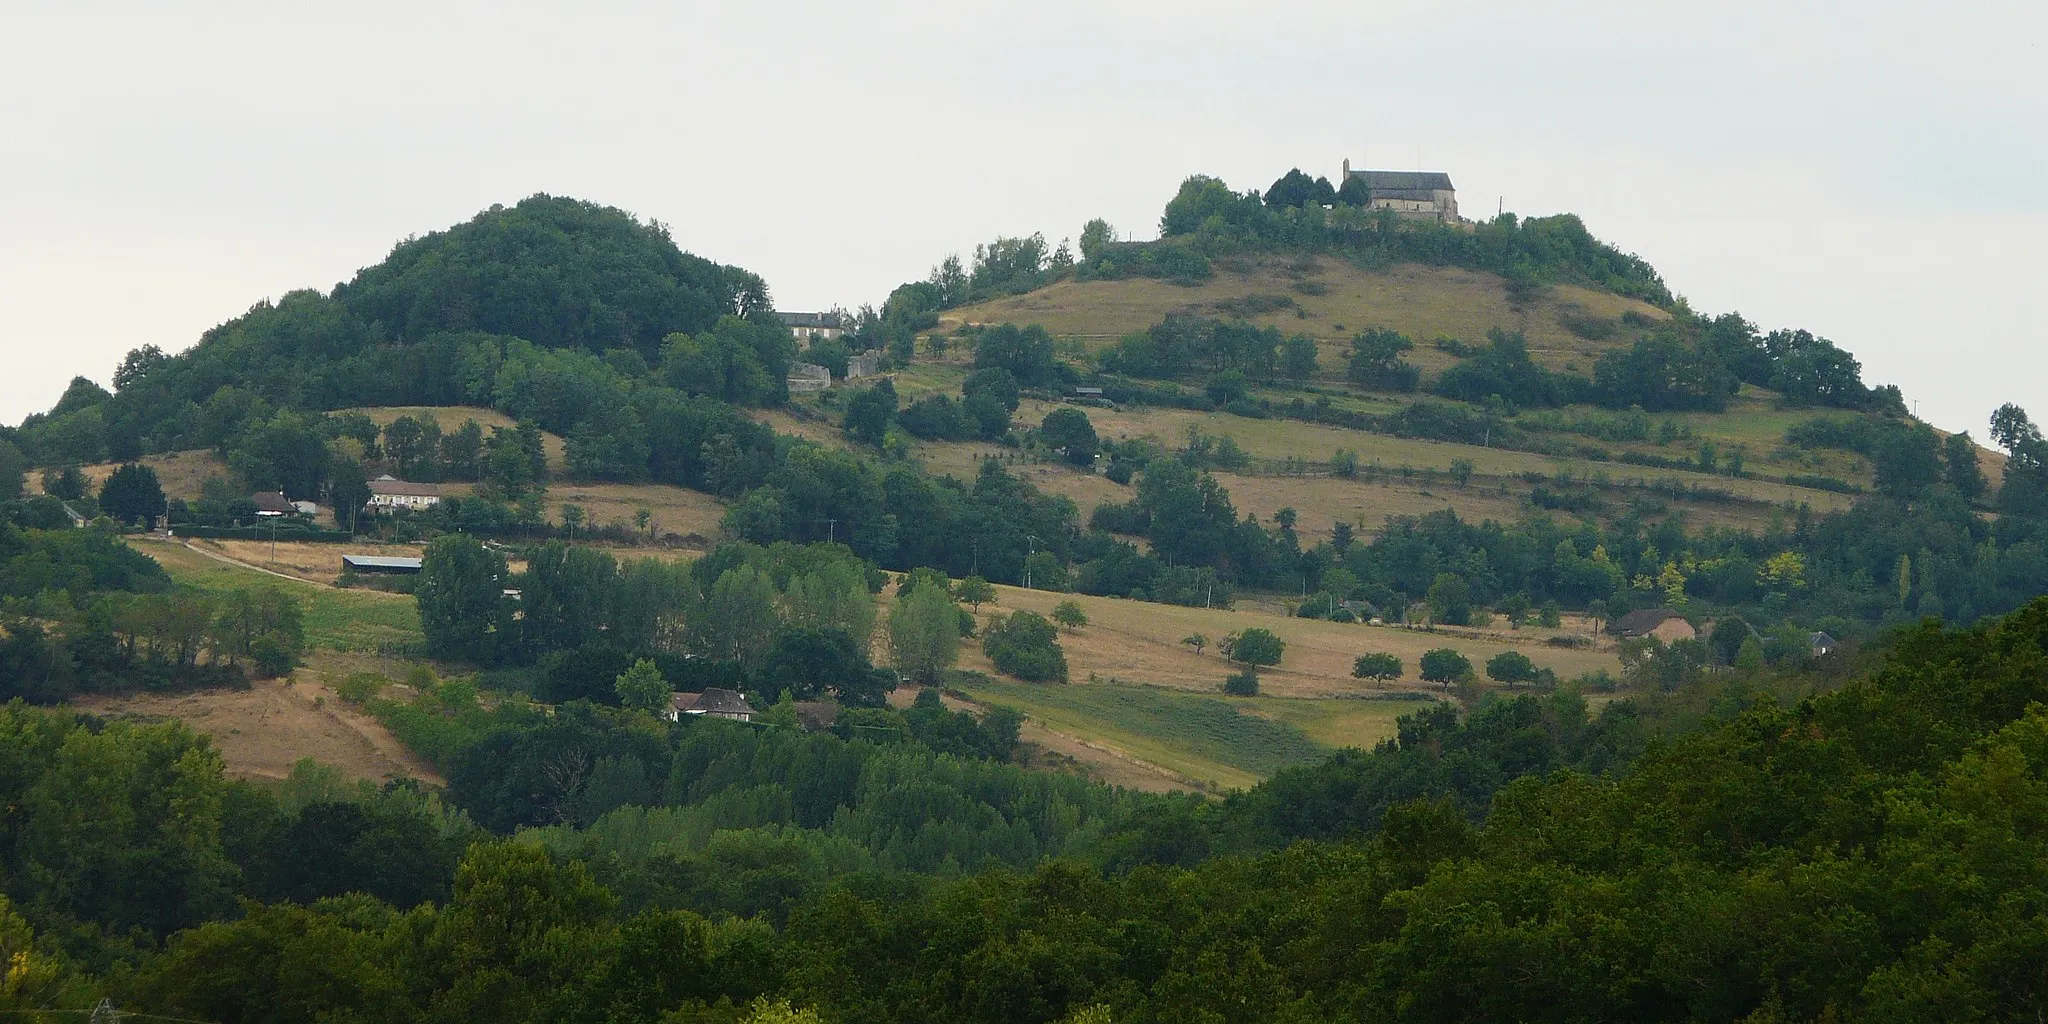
[(924, 634), (1376, 665), (974, 590), (1070, 615), (1196, 641), (1445, 666), (1067, 430), (1254, 646), (132, 494), (642, 688), (1510, 667)]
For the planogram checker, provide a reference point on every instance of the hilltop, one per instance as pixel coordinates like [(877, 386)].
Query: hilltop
[(1272, 414)]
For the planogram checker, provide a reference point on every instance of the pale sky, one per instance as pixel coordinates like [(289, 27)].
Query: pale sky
[(1871, 172)]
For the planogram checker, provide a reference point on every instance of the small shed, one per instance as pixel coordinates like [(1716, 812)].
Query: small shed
[(380, 565), (1823, 644)]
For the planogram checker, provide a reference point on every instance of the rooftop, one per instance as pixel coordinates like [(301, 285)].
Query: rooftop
[(1404, 181)]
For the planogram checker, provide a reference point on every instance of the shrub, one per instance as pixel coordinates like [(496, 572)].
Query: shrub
[(1025, 645), (1242, 684), (1070, 615)]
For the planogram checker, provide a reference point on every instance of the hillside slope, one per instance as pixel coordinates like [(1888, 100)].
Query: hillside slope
[(1331, 299)]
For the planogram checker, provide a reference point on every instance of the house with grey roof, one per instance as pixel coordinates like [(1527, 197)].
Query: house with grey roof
[(714, 702), (806, 326), (1424, 195)]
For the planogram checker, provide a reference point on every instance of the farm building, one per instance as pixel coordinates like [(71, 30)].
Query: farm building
[(1663, 623), (713, 701), (380, 565)]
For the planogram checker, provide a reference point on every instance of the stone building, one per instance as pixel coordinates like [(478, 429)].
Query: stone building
[(809, 326), (1426, 195)]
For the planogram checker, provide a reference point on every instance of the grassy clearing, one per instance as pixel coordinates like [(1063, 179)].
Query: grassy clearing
[(1209, 739), (1340, 723), (1140, 642), (338, 620), (1423, 303)]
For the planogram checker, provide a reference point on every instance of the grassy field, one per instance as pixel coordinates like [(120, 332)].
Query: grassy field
[(180, 473), (1219, 742), (1423, 303), (1140, 642), (339, 620)]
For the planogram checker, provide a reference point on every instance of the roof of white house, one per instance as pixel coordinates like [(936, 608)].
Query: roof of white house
[(808, 319), (385, 485)]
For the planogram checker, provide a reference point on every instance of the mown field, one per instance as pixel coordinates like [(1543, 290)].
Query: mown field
[(1219, 742), (360, 621)]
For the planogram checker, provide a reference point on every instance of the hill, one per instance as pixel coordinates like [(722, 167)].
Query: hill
[(1330, 299)]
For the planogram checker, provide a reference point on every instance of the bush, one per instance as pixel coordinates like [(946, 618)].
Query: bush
[(1242, 684), (1027, 646)]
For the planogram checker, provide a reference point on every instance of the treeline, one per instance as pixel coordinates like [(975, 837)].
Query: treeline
[(82, 612)]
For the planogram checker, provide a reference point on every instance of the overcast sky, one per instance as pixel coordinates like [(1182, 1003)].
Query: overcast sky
[(1871, 172)]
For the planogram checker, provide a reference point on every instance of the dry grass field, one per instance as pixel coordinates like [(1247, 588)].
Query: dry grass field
[(318, 563), (1140, 642), (180, 473), (1421, 302), (263, 731)]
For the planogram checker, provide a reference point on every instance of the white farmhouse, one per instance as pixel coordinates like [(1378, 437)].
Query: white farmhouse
[(389, 493)]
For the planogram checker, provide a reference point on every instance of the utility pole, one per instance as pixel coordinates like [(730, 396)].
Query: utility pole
[(1033, 541)]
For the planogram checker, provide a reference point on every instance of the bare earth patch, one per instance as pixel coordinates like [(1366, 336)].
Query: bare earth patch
[(262, 731)]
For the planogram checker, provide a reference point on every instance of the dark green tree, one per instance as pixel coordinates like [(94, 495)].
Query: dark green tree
[(1445, 666), (1254, 646), (1068, 431), (132, 494), (870, 414), (460, 592)]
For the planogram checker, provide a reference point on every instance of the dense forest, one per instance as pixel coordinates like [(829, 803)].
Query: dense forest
[(1868, 851)]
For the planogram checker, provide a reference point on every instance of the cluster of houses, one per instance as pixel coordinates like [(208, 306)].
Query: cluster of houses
[(1667, 626)]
